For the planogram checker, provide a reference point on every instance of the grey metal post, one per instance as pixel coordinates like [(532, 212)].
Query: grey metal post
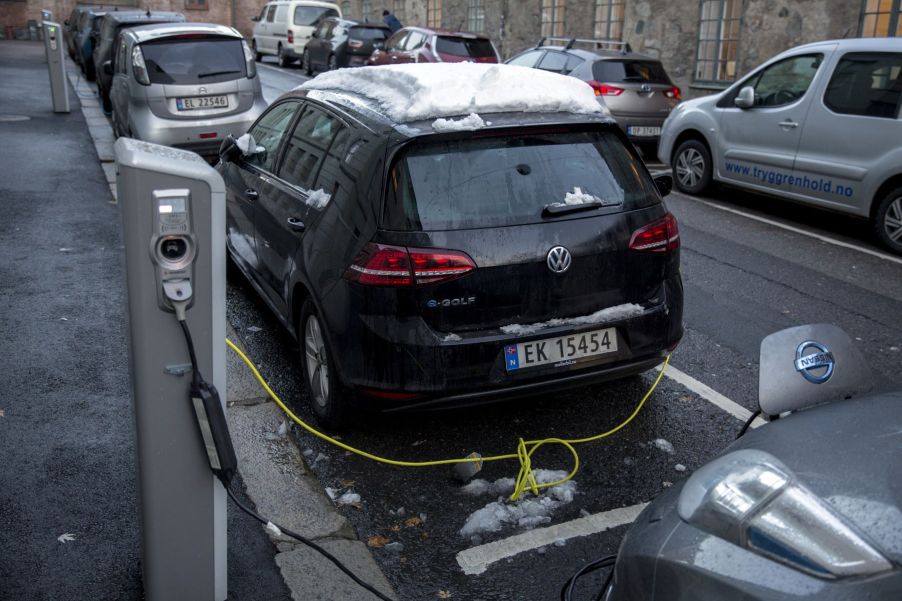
[(56, 66), (167, 195)]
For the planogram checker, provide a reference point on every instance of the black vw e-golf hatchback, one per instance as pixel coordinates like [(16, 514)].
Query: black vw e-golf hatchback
[(422, 268)]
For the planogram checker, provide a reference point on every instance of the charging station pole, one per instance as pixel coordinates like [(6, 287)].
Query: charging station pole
[(173, 224), (56, 65)]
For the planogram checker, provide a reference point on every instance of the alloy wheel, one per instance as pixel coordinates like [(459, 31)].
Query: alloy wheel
[(317, 361), (892, 220), (690, 167)]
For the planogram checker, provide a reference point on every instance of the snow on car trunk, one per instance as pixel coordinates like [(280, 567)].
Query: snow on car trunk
[(414, 92)]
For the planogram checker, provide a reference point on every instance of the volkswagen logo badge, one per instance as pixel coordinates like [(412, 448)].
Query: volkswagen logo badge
[(815, 367), (559, 259)]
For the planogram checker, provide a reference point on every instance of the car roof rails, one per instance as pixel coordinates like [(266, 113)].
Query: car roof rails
[(598, 43)]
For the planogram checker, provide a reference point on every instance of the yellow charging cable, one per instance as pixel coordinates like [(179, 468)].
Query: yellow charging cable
[(525, 448)]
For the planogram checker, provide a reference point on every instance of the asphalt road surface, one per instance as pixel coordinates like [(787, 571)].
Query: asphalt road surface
[(751, 265)]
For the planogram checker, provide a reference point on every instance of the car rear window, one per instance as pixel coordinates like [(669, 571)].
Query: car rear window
[(477, 48), (367, 33), (630, 70), (194, 60), (502, 181), (308, 16)]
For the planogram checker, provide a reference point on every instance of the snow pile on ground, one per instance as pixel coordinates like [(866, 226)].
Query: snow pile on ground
[(469, 123), (527, 512), (502, 486), (663, 444), (414, 92), (603, 315), (318, 199)]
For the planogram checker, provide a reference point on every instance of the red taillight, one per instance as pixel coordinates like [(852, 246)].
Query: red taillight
[(355, 44), (603, 89), (674, 93), (290, 37), (382, 265), (207, 136), (662, 236)]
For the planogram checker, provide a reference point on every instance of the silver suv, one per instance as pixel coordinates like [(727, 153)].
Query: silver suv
[(187, 85), (818, 124)]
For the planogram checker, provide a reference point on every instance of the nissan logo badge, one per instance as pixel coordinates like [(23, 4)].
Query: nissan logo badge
[(808, 364), (559, 259)]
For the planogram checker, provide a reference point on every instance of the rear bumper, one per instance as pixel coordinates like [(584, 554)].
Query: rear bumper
[(187, 133), (389, 354)]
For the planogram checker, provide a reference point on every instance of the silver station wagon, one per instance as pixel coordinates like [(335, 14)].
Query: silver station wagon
[(187, 85), (818, 124)]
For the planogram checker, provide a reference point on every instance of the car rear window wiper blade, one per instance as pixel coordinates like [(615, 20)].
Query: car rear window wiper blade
[(212, 73), (559, 208)]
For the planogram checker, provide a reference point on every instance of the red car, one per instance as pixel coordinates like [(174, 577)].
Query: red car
[(419, 45)]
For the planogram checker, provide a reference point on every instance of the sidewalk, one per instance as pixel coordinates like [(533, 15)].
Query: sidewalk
[(66, 424)]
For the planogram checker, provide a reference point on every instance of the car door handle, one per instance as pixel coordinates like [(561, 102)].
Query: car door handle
[(251, 194), (296, 224), (789, 123)]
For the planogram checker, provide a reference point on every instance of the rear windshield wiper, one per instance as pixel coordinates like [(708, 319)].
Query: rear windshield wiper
[(559, 208), (212, 73)]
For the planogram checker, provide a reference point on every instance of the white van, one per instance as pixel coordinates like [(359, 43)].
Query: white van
[(283, 28)]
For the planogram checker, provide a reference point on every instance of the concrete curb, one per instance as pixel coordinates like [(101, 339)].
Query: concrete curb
[(285, 490), (276, 479)]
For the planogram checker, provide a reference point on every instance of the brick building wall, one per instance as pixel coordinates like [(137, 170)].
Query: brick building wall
[(666, 29)]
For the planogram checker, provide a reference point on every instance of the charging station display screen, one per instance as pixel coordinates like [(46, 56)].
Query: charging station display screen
[(172, 205)]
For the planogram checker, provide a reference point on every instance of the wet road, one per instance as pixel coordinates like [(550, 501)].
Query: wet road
[(743, 277)]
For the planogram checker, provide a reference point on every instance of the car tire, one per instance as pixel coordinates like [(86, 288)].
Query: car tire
[(692, 168), (888, 220), (305, 63), (328, 398), (257, 56), (105, 102), (284, 61), (333, 64)]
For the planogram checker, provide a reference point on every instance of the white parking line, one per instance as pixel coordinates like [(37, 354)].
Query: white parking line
[(797, 230), (476, 560), (711, 395)]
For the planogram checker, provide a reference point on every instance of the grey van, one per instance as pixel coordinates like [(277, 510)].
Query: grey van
[(818, 124), (187, 85)]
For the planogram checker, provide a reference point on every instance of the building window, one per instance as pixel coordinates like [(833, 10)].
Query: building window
[(609, 19), (552, 18), (366, 9), (718, 40), (398, 11), (881, 18), (346, 8), (434, 14), (475, 16), (196, 5)]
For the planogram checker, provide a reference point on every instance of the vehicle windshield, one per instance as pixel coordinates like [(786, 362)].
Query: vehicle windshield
[(501, 181), (464, 47), (194, 60), (308, 16), (629, 71), (367, 33)]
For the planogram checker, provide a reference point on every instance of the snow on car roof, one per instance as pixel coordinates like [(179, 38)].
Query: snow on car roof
[(413, 92)]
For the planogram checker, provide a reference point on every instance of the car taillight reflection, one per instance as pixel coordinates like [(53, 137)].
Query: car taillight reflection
[(603, 89), (662, 236), (383, 265)]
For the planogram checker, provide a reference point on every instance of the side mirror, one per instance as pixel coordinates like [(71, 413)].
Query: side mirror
[(315, 34), (808, 365), (255, 18), (664, 184), (746, 98), (228, 150), (108, 68)]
